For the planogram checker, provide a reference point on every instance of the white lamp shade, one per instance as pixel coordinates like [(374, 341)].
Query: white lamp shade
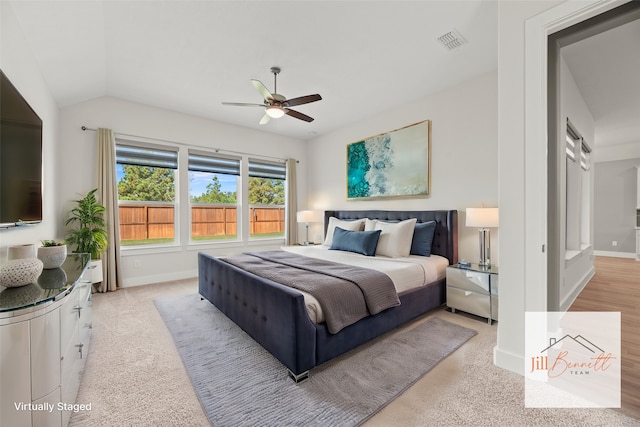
[(308, 216), (482, 217)]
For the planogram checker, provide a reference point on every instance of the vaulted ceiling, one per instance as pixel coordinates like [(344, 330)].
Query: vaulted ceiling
[(362, 57), (606, 69)]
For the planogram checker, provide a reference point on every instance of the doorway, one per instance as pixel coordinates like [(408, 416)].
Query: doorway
[(570, 266)]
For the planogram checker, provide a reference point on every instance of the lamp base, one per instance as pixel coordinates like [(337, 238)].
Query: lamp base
[(485, 247)]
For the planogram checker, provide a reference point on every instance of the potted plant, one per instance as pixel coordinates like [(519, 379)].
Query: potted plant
[(52, 253), (88, 233)]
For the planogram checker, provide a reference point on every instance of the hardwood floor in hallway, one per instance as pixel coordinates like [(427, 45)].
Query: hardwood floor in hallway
[(616, 287)]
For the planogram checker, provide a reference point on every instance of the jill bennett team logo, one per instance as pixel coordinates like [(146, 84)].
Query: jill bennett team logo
[(572, 359), (572, 356)]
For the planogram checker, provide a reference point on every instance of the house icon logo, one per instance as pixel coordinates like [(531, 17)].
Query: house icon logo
[(579, 339), (571, 355)]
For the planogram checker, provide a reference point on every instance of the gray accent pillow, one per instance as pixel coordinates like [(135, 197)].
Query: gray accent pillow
[(361, 242)]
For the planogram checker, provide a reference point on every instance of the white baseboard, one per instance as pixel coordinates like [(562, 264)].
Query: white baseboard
[(615, 254), (571, 297), (159, 278), (509, 361)]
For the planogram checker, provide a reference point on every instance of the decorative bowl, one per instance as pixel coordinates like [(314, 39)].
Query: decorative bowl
[(21, 251), (20, 272), (52, 256)]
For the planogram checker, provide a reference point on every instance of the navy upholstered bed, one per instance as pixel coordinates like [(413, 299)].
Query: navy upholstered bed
[(275, 315)]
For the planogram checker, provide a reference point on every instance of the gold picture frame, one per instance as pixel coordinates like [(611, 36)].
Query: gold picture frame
[(391, 164)]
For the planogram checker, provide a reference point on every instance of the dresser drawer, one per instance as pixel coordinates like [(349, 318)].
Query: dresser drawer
[(468, 280), (469, 301)]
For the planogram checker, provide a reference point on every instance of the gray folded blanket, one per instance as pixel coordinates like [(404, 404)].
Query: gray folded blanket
[(346, 293)]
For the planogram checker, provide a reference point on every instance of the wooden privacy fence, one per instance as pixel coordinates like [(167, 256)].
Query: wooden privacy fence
[(143, 222)]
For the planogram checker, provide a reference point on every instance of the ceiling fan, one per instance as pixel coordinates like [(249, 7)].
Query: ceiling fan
[(276, 105)]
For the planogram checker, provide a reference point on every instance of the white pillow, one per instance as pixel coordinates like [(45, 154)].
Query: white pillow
[(357, 225), (369, 224), (395, 239)]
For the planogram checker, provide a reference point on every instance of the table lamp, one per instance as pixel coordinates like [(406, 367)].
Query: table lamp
[(483, 218), (306, 217)]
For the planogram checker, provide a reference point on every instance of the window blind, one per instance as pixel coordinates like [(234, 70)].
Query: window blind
[(264, 169), (199, 162), (150, 157), (572, 139)]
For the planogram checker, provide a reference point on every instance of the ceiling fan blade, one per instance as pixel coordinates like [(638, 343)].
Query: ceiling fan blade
[(265, 119), (301, 100), (298, 115), (262, 89), (243, 104)]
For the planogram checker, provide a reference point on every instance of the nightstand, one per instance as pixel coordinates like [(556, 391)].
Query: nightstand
[(473, 289)]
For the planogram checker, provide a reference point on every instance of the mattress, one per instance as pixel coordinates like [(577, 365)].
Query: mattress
[(406, 273)]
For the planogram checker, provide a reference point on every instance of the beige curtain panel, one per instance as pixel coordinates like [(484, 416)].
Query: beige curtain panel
[(108, 194), (292, 204)]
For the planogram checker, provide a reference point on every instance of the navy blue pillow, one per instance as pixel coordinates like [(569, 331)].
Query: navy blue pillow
[(422, 238), (361, 242)]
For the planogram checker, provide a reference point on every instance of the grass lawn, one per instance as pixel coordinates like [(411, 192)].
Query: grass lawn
[(198, 238)]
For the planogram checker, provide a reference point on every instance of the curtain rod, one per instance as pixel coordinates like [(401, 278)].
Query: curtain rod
[(84, 128)]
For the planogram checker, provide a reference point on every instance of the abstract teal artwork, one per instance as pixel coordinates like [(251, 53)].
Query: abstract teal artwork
[(392, 164)]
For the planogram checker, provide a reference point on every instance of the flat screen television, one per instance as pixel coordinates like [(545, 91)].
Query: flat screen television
[(20, 158)]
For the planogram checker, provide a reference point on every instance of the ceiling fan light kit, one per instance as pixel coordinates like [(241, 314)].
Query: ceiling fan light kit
[(276, 105), (275, 112)]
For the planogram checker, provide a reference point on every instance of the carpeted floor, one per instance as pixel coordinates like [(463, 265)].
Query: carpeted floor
[(224, 364), (134, 377)]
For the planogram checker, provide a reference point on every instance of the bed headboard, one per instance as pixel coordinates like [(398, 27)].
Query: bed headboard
[(445, 240)]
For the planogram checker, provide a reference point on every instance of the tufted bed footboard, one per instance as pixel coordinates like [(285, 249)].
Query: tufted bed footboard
[(275, 315), (272, 314)]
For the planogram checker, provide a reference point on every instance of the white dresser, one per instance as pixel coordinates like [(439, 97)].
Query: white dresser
[(45, 329)]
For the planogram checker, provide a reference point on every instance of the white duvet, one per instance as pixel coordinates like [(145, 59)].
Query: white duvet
[(406, 273)]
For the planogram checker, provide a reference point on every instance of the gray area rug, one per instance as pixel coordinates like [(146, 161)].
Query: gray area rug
[(241, 384)]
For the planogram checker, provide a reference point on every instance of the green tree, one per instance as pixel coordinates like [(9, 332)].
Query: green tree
[(214, 194), (264, 191), (145, 183)]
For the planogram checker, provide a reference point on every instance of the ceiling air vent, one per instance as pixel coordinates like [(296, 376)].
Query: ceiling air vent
[(451, 40)]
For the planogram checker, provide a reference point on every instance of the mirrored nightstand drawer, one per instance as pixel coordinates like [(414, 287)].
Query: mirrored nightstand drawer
[(468, 279), (471, 302)]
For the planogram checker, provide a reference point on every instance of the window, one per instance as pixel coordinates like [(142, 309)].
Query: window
[(213, 193), (585, 208), (146, 178), (267, 182), (585, 156), (577, 190), (225, 197)]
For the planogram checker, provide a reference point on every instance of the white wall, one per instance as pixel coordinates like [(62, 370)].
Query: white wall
[(464, 157), (77, 169), (611, 153), (516, 215), (18, 63), (616, 190)]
